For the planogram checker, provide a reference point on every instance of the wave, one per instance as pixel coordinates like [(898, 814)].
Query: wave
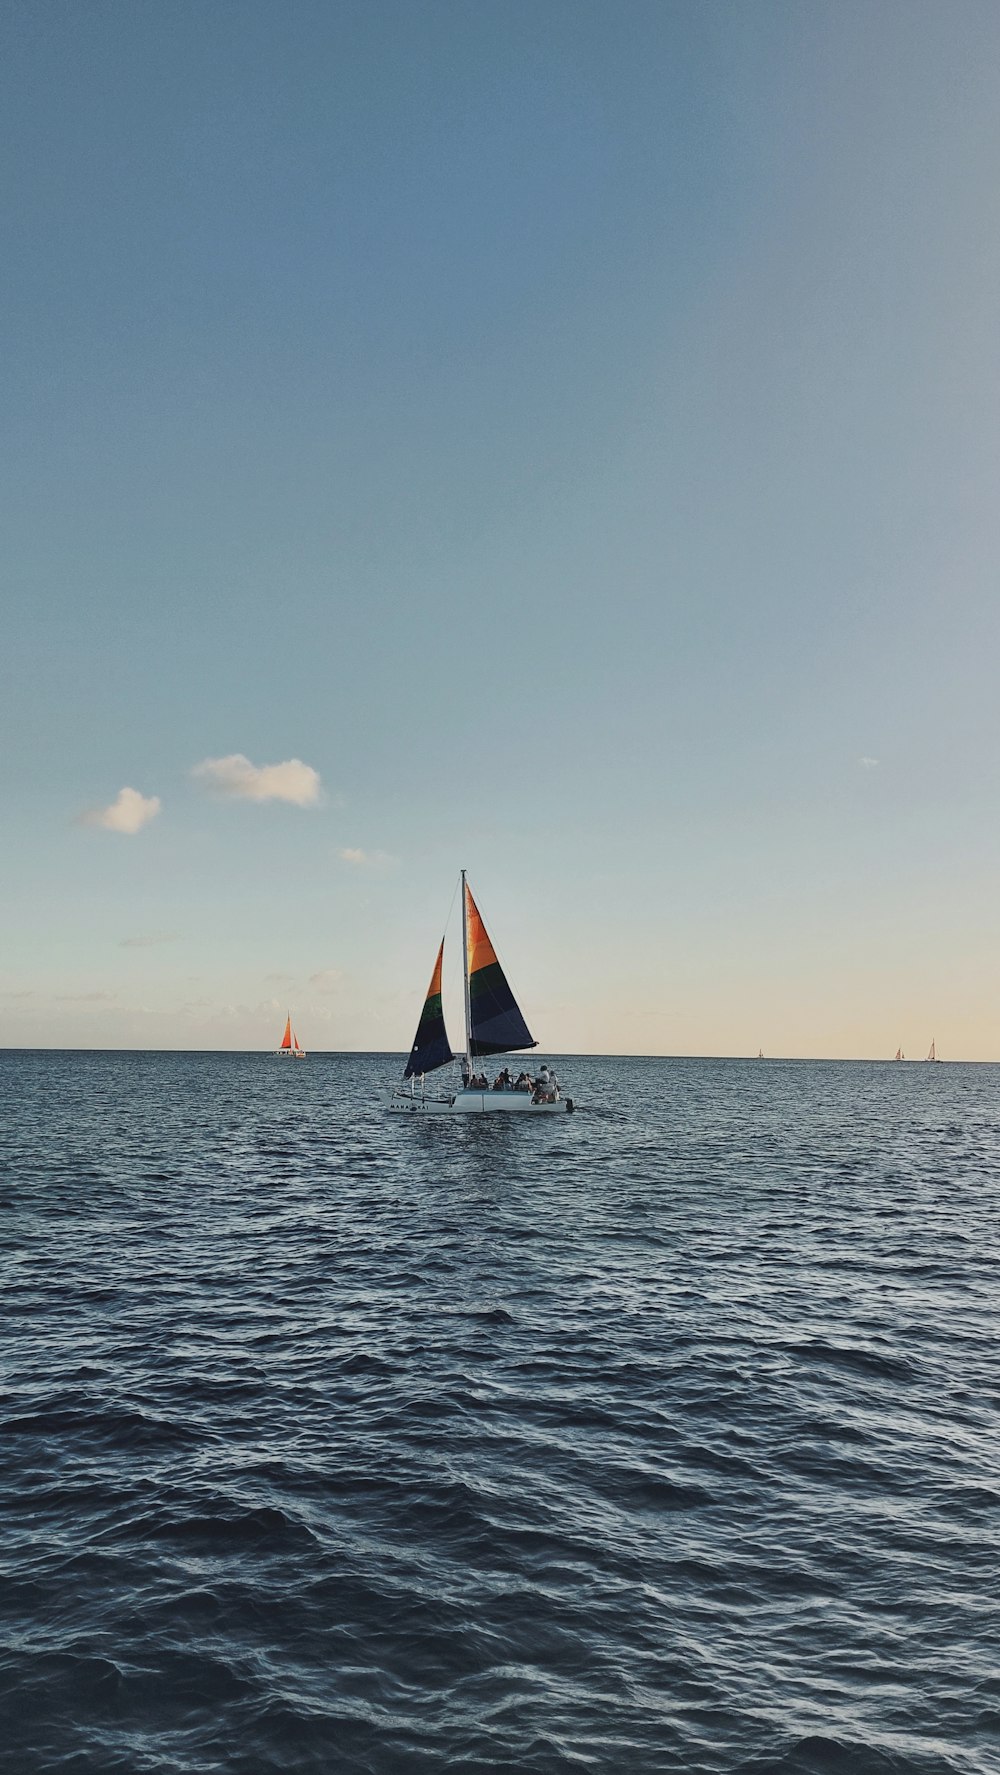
[(660, 1448)]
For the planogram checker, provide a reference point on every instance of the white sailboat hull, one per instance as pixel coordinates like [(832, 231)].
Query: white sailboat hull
[(476, 1103)]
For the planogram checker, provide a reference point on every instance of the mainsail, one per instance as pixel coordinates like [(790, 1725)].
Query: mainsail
[(286, 1040), (430, 1044), (495, 1022)]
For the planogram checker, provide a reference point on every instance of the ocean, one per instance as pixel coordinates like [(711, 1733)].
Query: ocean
[(659, 1437)]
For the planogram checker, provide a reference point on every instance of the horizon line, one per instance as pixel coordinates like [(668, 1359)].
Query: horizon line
[(560, 1053)]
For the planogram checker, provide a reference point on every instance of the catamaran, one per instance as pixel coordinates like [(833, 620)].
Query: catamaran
[(493, 1025), (290, 1043)]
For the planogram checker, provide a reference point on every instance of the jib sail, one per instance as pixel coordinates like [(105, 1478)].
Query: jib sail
[(430, 1044)]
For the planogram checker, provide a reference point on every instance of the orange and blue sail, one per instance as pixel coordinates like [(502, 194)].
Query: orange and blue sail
[(430, 1044), (495, 1022)]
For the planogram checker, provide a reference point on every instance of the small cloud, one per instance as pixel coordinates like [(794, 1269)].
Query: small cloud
[(149, 942), (327, 980), (236, 777), (359, 859), (129, 812), (868, 763)]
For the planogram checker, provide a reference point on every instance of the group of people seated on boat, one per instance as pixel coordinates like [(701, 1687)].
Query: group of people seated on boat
[(543, 1089)]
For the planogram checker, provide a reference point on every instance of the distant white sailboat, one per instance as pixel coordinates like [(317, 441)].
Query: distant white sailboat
[(933, 1053), (899, 1055)]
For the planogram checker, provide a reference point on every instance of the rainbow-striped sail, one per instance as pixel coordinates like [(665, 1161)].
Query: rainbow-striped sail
[(430, 1044), (495, 1022)]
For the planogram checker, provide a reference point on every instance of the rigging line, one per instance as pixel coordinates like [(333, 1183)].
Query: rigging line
[(449, 960), (447, 922), (451, 908)]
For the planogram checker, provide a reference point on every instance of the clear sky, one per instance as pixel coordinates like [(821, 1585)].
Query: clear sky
[(571, 432)]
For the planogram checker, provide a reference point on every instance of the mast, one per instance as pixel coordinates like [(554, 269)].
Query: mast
[(465, 973)]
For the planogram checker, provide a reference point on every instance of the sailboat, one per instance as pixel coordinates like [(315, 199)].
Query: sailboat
[(933, 1053), (493, 1025), (290, 1043), (899, 1055)]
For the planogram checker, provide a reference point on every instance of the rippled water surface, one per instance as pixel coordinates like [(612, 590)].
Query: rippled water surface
[(659, 1437)]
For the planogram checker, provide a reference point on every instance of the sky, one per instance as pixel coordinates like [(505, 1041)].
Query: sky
[(560, 441)]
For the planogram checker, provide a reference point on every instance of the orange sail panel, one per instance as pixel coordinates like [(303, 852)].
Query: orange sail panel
[(496, 1023), (286, 1040)]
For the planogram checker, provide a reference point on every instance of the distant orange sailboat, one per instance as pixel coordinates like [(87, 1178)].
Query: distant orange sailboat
[(290, 1043)]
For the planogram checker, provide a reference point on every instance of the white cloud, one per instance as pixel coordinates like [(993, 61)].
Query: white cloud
[(868, 763), (129, 812), (366, 859), (327, 980), (235, 776)]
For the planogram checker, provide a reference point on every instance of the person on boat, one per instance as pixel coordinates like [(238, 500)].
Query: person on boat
[(466, 1073), (523, 1082), (543, 1086)]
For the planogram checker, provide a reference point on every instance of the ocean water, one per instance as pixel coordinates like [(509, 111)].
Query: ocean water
[(659, 1437)]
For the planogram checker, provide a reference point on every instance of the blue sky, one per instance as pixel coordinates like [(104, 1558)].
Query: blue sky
[(570, 431)]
